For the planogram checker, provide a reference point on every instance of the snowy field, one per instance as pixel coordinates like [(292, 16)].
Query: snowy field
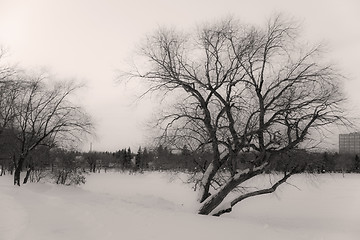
[(159, 206)]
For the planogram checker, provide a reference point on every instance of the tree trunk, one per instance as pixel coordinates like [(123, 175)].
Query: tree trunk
[(28, 171), (18, 170), (17, 176), (206, 181), (217, 198)]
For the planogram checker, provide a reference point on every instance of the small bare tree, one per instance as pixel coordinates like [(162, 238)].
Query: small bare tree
[(45, 115), (241, 89)]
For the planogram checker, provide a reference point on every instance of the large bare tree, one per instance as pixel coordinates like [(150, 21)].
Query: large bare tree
[(44, 114), (9, 90), (241, 89)]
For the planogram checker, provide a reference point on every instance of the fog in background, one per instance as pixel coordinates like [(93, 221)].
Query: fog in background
[(93, 40)]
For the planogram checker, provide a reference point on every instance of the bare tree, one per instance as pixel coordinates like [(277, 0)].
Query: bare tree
[(91, 158), (45, 115), (241, 89), (9, 90)]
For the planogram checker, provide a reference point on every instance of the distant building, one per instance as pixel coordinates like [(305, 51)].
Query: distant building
[(349, 143)]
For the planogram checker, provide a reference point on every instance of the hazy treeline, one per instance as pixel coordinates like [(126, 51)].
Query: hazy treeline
[(61, 163)]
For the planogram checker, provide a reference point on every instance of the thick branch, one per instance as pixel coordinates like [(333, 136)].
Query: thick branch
[(253, 194)]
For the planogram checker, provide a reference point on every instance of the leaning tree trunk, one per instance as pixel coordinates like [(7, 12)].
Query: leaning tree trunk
[(217, 198), (28, 171)]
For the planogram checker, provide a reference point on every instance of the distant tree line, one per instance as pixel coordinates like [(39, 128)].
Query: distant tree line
[(183, 160), (63, 162), (186, 160), (68, 167)]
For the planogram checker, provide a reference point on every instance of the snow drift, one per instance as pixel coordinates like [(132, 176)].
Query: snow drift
[(160, 206)]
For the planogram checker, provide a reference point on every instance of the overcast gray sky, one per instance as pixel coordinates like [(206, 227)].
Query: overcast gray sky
[(90, 39)]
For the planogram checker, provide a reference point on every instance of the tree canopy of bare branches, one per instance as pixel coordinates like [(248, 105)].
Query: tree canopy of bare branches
[(241, 89), (8, 92), (38, 111)]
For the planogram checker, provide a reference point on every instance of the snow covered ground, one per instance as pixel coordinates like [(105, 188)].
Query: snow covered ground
[(159, 206)]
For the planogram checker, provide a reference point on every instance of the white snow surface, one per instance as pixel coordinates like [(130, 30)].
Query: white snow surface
[(160, 206)]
